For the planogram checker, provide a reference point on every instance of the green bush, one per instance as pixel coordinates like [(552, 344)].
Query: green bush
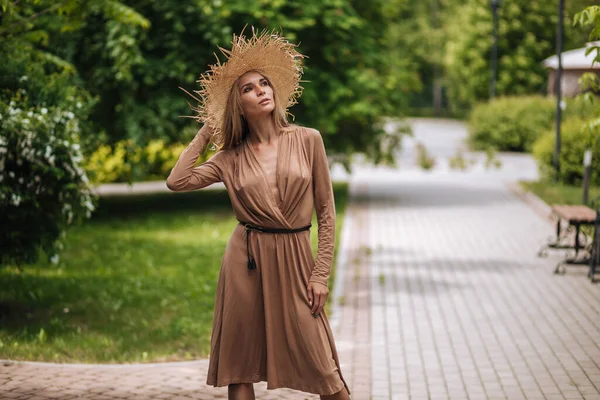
[(126, 162), (576, 137), (514, 123), (510, 123), (43, 188), (159, 158), (112, 164)]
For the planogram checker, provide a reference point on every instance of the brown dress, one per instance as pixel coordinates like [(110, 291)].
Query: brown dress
[(263, 329)]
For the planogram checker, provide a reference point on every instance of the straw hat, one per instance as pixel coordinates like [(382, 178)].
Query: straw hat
[(266, 52)]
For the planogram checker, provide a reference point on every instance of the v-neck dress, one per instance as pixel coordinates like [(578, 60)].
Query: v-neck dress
[(263, 329)]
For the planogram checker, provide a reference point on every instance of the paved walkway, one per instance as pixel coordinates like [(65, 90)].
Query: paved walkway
[(441, 297)]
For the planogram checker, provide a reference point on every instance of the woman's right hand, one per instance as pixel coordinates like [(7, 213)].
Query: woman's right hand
[(206, 130)]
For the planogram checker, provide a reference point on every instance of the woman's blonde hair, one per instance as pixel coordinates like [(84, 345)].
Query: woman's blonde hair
[(235, 128)]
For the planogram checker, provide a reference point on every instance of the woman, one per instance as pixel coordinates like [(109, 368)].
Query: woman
[(269, 324)]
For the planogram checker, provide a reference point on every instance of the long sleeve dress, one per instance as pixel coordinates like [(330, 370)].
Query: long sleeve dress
[(263, 329)]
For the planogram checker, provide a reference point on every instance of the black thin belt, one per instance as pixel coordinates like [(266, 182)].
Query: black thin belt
[(250, 228)]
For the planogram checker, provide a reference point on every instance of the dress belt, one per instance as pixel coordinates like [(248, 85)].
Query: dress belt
[(250, 228)]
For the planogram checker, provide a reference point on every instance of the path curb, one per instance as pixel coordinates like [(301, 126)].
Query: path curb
[(537, 204)]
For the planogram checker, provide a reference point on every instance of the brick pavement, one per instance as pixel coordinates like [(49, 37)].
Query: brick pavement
[(461, 306)]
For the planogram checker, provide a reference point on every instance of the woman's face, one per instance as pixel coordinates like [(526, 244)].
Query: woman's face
[(256, 95)]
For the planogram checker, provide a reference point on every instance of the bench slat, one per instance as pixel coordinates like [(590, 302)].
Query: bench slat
[(574, 214)]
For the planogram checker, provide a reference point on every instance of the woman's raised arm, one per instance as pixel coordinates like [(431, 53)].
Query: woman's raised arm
[(184, 177)]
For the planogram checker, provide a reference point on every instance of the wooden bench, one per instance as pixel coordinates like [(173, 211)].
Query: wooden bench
[(575, 217)]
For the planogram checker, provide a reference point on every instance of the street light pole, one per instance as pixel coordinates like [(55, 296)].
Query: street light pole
[(557, 85), (494, 54)]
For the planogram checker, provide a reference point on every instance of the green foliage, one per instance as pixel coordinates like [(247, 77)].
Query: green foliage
[(590, 16), (44, 110), (559, 193), (159, 158), (527, 35), (458, 160), (576, 137), (108, 164), (133, 58), (127, 162), (590, 82), (424, 160), (510, 123), (419, 31), (514, 123), (43, 188), (355, 72)]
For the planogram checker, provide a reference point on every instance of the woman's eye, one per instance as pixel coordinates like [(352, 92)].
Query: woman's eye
[(265, 83)]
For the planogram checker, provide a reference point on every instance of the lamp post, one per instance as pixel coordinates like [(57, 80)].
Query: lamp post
[(494, 54), (557, 86)]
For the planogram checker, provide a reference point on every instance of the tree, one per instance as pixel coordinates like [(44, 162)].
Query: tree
[(419, 31), (527, 35), (590, 17), (355, 72), (43, 112)]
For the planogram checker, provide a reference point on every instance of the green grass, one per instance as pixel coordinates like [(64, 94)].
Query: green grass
[(553, 193), (136, 283)]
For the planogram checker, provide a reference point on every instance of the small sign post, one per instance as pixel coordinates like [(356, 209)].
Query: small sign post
[(587, 169)]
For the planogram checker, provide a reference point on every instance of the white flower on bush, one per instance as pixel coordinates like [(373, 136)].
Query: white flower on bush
[(88, 204), (55, 259), (35, 140), (15, 200)]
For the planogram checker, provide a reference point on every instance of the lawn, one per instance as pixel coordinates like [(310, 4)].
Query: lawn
[(135, 283), (553, 193)]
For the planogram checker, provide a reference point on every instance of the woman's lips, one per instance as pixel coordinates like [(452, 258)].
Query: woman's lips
[(264, 101)]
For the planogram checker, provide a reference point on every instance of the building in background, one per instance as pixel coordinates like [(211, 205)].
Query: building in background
[(575, 63)]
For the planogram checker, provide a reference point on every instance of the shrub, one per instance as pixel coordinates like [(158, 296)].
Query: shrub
[(113, 164), (43, 188), (125, 162), (576, 137), (510, 123), (159, 158), (515, 123), (424, 160)]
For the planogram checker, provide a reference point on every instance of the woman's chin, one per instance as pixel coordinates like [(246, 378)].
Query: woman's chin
[(264, 112)]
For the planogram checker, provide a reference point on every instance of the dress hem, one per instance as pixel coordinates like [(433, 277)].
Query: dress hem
[(279, 385)]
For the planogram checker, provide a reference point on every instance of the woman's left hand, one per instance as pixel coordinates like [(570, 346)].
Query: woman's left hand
[(317, 297)]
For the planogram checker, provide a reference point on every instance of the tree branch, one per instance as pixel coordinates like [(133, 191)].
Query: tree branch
[(32, 17)]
